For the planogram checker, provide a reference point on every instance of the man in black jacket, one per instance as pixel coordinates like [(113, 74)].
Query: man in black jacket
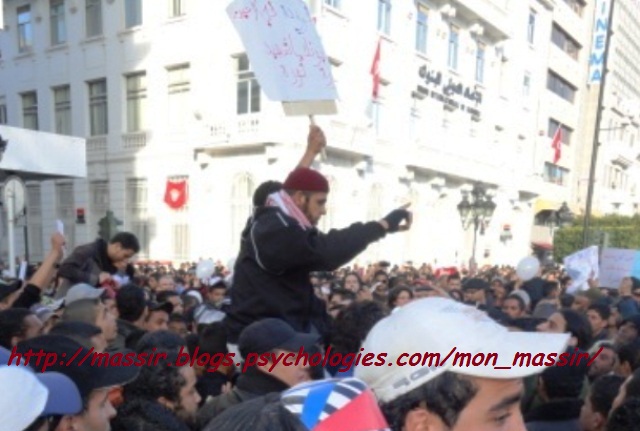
[(281, 245), (96, 262)]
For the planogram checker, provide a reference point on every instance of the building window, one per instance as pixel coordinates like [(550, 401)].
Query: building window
[(179, 92), (62, 109), (480, 50), (561, 87), (57, 20), (248, 89), (452, 58), (176, 8), (93, 17), (422, 28), (136, 102), (562, 40), (30, 110), (25, 31), (384, 16), (567, 132), (333, 3), (526, 85), (555, 174), (65, 210), (34, 222), (132, 13), (576, 5), (3, 111), (98, 107), (137, 212), (531, 27), (241, 191), (181, 234), (99, 204)]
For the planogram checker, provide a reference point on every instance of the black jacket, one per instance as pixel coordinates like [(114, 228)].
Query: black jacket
[(145, 415), (84, 265), (252, 384), (556, 415), (271, 276)]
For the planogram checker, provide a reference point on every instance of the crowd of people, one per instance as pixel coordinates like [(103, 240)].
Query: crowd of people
[(292, 292)]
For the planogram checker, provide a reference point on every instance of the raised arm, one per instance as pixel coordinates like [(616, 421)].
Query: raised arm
[(316, 142)]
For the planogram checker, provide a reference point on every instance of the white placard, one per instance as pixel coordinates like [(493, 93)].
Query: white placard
[(581, 266), (615, 264), (22, 272), (284, 49), (60, 227)]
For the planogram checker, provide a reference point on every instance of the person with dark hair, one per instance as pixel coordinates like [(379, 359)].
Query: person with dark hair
[(349, 331), (17, 324), (339, 299), (213, 377), (559, 390), (353, 282), (163, 340), (598, 402), (514, 307), (420, 393), (566, 300), (567, 320), (172, 297), (605, 362), (598, 315), (282, 245), (95, 263), (399, 296), (626, 417), (162, 398), (178, 324), (132, 312), (628, 330), (628, 358)]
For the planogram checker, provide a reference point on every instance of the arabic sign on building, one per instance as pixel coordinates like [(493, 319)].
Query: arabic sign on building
[(452, 93), (599, 42)]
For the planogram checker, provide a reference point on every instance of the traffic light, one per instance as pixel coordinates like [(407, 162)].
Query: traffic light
[(108, 226)]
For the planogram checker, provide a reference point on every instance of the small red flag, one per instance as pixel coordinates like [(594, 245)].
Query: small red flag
[(176, 194), (375, 72), (556, 144)]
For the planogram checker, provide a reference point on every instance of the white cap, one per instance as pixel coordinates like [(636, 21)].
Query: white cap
[(82, 291), (438, 325), (22, 399)]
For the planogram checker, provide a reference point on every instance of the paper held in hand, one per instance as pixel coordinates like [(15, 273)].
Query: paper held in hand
[(286, 54)]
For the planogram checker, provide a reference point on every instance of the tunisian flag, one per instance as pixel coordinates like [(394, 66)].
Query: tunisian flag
[(556, 145), (176, 193), (375, 72)]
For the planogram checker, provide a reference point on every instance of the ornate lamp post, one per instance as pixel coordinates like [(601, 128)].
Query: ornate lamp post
[(476, 208)]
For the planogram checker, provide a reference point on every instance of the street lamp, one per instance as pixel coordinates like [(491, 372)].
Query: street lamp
[(476, 208)]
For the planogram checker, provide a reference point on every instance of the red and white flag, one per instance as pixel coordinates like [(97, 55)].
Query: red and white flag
[(375, 72), (176, 193), (556, 145)]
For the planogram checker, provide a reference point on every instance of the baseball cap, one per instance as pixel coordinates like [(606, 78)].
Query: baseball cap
[(8, 287), (441, 326), (43, 312), (86, 376), (33, 395), (82, 291), (271, 333)]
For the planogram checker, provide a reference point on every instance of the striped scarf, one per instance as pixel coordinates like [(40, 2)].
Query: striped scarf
[(283, 201)]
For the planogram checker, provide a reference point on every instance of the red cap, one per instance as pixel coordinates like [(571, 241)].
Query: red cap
[(306, 180)]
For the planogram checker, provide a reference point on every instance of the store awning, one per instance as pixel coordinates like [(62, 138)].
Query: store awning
[(34, 155), (545, 205)]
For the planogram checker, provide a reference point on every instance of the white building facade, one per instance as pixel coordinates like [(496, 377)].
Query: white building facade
[(163, 92)]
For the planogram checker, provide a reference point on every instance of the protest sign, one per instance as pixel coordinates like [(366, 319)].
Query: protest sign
[(617, 263), (286, 54), (581, 266)]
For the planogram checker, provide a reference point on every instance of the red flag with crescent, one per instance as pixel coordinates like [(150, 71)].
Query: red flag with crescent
[(176, 194)]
